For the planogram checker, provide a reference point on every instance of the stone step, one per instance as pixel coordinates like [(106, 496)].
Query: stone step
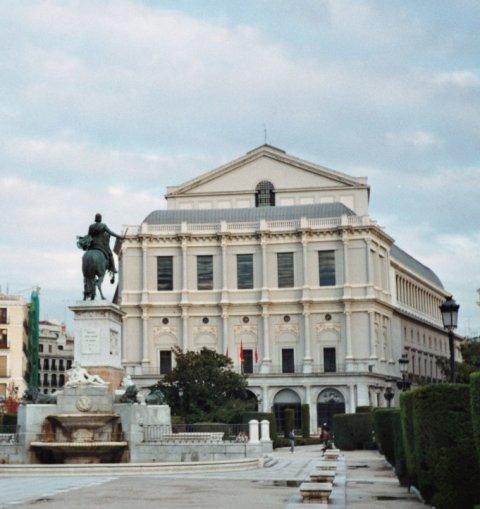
[(130, 468)]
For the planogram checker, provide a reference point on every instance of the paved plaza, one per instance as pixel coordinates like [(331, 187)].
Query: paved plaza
[(364, 481)]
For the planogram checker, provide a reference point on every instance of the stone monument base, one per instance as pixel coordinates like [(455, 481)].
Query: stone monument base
[(113, 376)]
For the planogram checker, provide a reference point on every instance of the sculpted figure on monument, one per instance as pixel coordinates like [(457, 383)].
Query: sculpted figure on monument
[(98, 258), (80, 376)]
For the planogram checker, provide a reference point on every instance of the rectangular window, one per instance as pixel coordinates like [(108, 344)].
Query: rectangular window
[(3, 315), (247, 361), (165, 362), (288, 360), (244, 271), (329, 360), (164, 273), (3, 389), (205, 272), (326, 266), (3, 365), (54, 365), (3, 338), (285, 270), (40, 347)]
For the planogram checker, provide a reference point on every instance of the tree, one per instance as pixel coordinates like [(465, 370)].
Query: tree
[(470, 350), (202, 387)]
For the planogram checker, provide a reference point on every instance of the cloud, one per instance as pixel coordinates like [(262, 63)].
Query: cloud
[(102, 105)]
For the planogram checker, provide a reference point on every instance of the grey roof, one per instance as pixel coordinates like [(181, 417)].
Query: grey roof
[(248, 214), (410, 262)]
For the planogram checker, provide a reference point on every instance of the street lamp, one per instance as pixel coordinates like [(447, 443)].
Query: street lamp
[(449, 310), (404, 384), (389, 394)]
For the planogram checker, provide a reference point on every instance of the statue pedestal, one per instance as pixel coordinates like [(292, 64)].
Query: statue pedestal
[(98, 340)]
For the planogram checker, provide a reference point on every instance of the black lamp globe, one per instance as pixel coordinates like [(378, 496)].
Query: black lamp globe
[(449, 310)]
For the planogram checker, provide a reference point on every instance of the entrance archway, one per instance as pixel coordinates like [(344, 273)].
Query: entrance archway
[(330, 402), (252, 399), (286, 398)]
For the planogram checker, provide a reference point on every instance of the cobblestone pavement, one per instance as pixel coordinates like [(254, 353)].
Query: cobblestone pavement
[(363, 480)]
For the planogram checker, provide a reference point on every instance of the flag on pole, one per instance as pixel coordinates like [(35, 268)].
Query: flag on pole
[(241, 353), (256, 355), (226, 353)]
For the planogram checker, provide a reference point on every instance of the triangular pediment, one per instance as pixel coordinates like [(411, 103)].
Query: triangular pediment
[(266, 162)]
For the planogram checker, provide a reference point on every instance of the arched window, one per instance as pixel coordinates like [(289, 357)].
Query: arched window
[(286, 398), (330, 402), (265, 194)]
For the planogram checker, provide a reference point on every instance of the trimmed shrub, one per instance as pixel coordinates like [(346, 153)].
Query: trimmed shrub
[(305, 421), (445, 462), (289, 421), (353, 431), (406, 418), (363, 409), (383, 426), (399, 449), (246, 417), (475, 408)]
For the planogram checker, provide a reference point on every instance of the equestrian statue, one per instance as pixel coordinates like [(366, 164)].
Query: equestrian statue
[(98, 257)]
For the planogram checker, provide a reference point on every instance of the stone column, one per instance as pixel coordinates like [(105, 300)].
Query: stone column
[(184, 268), (225, 330), (265, 430), (224, 298), (145, 345), (307, 360), (352, 398), (253, 432), (346, 272), (263, 242), (185, 345), (266, 360), (144, 274), (370, 275), (348, 334), (265, 401), (371, 321)]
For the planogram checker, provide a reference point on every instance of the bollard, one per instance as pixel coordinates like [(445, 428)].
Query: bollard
[(265, 430), (253, 432)]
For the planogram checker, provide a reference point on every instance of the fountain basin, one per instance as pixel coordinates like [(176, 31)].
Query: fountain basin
[(85, 421), (82, 452)]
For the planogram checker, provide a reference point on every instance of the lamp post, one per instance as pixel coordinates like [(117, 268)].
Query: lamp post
[(449, 310), (389, 393), (404, 384)]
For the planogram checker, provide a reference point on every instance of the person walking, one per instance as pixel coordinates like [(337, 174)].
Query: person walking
[(326, 437), (291, 439)]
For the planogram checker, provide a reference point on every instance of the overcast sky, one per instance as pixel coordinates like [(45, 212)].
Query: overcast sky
[(103, 104)]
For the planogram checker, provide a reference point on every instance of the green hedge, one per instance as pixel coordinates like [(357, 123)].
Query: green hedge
[(305, 421), (261, 416), (406, 418), (383, 426), (283, 442), (289, 421), (445, 461), (363, 409), (475, 408), (353, 431), (399, 449)]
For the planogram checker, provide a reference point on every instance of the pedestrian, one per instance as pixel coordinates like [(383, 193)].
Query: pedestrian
[(326, 437), (291, 439)]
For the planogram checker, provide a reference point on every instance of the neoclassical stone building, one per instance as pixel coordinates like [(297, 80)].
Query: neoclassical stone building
[(279, 257)]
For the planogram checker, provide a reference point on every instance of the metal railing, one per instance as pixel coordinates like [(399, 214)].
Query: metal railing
[(299, 369), (202, 431)]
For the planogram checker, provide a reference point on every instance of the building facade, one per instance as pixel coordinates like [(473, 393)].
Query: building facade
[(13, 342), (55, 356), (279, 258)]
